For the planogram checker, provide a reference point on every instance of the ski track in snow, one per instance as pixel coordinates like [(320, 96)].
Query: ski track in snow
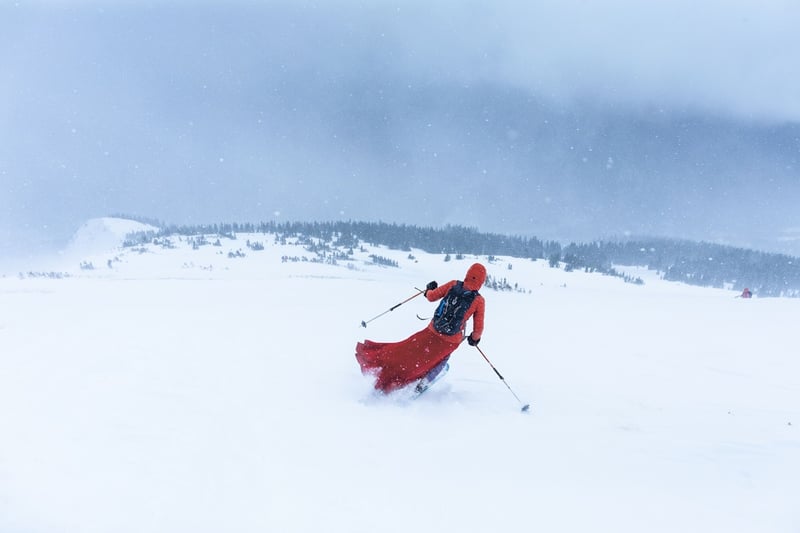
[(182, 390)]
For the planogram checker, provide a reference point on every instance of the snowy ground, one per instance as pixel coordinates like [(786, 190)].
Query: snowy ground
[(180, 390)]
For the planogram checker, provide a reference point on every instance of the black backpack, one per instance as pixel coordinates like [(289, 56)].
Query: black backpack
[(449, 315)]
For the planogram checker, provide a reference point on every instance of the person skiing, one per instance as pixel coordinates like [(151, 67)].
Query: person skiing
[(746, 293), (422, 357)]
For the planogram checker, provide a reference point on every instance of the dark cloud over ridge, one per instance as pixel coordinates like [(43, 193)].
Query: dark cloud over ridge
[(558, 118)]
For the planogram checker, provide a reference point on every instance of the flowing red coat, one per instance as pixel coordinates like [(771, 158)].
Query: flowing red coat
[(397, 364)]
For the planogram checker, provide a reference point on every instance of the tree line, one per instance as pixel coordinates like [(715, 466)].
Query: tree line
[(696, 263)]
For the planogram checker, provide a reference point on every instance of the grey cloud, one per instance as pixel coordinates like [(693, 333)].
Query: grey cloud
[(568, 119)]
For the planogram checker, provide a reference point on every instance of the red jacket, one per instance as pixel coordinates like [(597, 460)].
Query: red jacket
[(475, 311), (397, 364)]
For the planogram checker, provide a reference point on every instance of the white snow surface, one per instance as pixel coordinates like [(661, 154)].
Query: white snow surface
[(99, 235), (182, 390)]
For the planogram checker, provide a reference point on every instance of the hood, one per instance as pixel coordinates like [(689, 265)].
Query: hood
[(475, 277)]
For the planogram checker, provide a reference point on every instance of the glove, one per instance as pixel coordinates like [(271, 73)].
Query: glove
[(432, 285), (471, 341)]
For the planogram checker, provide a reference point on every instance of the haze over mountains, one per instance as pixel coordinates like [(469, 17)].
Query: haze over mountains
[(561, 121)]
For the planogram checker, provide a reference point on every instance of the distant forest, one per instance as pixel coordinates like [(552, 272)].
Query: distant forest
[(695, 263)]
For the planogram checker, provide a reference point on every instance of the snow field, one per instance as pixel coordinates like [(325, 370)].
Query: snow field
[(156, 396)]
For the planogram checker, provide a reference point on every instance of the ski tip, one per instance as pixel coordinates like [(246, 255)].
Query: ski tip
[(526, 408)]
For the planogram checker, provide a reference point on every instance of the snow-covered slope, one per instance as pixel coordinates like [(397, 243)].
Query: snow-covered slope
[(105, 234), (194, 385)]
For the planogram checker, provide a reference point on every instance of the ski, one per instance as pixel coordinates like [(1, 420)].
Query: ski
[(424, 384)]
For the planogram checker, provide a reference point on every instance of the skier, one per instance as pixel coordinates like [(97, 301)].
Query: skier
[(746, 293), (422, 358)]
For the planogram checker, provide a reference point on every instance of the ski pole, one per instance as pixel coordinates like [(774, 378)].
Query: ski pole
[(526, 406), (365, 322)]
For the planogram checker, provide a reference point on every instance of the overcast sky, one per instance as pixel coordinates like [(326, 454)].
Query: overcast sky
[(562, 119)]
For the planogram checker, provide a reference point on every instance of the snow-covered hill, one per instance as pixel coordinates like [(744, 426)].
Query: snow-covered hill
[(196, 384), (104, 234)]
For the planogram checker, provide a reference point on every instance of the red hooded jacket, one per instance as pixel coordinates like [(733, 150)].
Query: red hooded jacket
[(397, 364), (473, 281)]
